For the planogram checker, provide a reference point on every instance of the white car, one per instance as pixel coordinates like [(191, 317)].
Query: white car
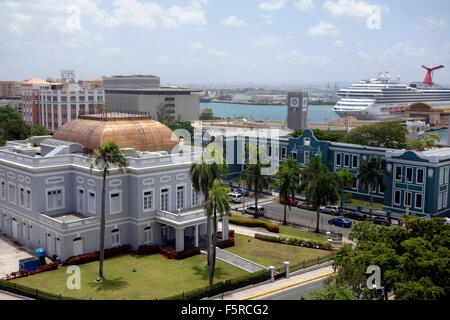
[(235, 197), (447, 220)]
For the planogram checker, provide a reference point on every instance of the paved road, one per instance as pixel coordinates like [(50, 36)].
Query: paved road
[(298, 292)]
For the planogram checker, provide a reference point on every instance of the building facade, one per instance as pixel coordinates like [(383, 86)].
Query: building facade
[(50, 199), (143, 94), (54, 104)]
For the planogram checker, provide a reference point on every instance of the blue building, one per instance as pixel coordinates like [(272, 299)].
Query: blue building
[(417, 183)]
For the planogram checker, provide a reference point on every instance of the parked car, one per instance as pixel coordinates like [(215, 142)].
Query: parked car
[(291, 202), (382, 221), (252, 210), (306, 206), (355, 215), (447, 221), (333, 210), (242, 191), (235, 197), (340, 222)]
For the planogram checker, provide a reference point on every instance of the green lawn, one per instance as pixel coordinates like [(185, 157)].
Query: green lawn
[(156, 277), (272, 254), (299, 233), (363, 203)]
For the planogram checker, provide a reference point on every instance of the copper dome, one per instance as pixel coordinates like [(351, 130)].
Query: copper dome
[(128, 131)]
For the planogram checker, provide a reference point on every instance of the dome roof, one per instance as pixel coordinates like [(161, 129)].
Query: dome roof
[(128, 131)]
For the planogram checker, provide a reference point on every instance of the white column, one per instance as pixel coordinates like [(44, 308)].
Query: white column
[(286, 268), (179, 239), (225, 228), (196, 230)]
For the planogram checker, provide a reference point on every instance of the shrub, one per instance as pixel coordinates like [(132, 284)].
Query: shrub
[(172, 255), (23, 273), (226, 244), (305, 243), (267, 237), (253, 223), (93, 256)]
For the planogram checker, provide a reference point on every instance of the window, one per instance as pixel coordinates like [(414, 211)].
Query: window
[(3, 189), (294, 155), (397, 197), (180, 198), (355, 162), (441, 175), (355, 184), (91, 202), (283, 153), (418, 203), (116, 202), (148, 200), (164, 200), (446, 175), (115, 237), (12, 192), (148, 235), (419, 178), (409, 174), (195, 198), (55, 199), (381, 188), (338, 159), (444, 199), (270, 151), (398, 173), (21, 196), (346, 160), (408, 197), (80, 201), (307, 142), (306, 156), (28, 198)]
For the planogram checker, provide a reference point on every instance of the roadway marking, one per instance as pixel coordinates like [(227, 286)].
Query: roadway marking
[(288, 286)]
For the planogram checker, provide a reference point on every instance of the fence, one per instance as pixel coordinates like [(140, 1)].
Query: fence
[(281, 272), (37, 294)]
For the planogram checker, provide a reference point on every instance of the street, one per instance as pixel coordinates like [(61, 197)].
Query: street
[(298, 292)]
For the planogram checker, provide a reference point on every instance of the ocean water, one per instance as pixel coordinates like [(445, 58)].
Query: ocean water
[(316, 114)]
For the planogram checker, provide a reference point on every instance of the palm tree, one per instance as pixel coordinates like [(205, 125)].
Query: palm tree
[(372, 173), (320, 185), (203, 172), (345, 180), (218, 203), (108, 153), (287, 180), (253, 174)]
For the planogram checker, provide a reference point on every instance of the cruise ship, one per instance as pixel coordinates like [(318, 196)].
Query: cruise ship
[(383, 98)]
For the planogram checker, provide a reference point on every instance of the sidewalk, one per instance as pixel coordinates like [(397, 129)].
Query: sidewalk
[(260, 291)]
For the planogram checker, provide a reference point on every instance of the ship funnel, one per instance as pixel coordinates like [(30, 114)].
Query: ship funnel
[(429, 77)]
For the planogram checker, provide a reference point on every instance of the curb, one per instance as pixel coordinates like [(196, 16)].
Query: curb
[(288, 286)]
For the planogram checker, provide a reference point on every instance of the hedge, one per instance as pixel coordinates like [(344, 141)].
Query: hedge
[(220, 287), (94, 256), (172, 255), (23, 273), (253, 223), (37, 294), (306, 243)]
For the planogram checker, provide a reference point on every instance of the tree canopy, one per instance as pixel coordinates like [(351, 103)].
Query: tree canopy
[(331, 135), (388, 134), (414, 259)]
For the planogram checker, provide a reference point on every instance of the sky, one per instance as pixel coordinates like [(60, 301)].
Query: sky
[(225, 42)]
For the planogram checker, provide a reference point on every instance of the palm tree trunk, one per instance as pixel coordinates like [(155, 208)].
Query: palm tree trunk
[(213, 256), (256, 198), (285, 220), (318, 219), (371, 199), (208, 235), (102, 227)]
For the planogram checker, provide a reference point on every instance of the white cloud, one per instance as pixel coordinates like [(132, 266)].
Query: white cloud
[(268, 41), (233, 21), (196, 46), (351, 8), (338, 45), (110, 52), (268, 19), (304, 5), (272, 5), (323, 29), (431, 23), (217, 53)]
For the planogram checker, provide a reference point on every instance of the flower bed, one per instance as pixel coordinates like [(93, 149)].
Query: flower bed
[(94, 256), (295, 241), (172, 255)]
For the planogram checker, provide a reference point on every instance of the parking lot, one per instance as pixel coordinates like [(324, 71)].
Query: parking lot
[(10, 254)]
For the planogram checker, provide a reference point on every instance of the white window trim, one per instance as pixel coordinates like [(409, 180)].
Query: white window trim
[(417, 176), (28, 200), (305, 158), (148, 229), (62, 194), (415, 201), (379, 189), (15, 195), (347, 166), (441, 175), (113, 236), (78, 200), (406, 175), (152, 190), (395, 173), (195, 195), (5, 191), (400, 198), (292, 154), (357, 161), (406, 198), (22, 194), (95, 201), (169, 198), (335, 160), (446, 171), (119, 211), (444, 200), (285, 152), (184, 195)]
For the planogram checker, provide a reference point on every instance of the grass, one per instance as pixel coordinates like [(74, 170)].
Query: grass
[(363, 203), (156, 277), (301, 234), (272, 254)]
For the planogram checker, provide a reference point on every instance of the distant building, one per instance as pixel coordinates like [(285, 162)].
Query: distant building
[(143, 94), (9, 89), (52, 104), (297, 117)]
